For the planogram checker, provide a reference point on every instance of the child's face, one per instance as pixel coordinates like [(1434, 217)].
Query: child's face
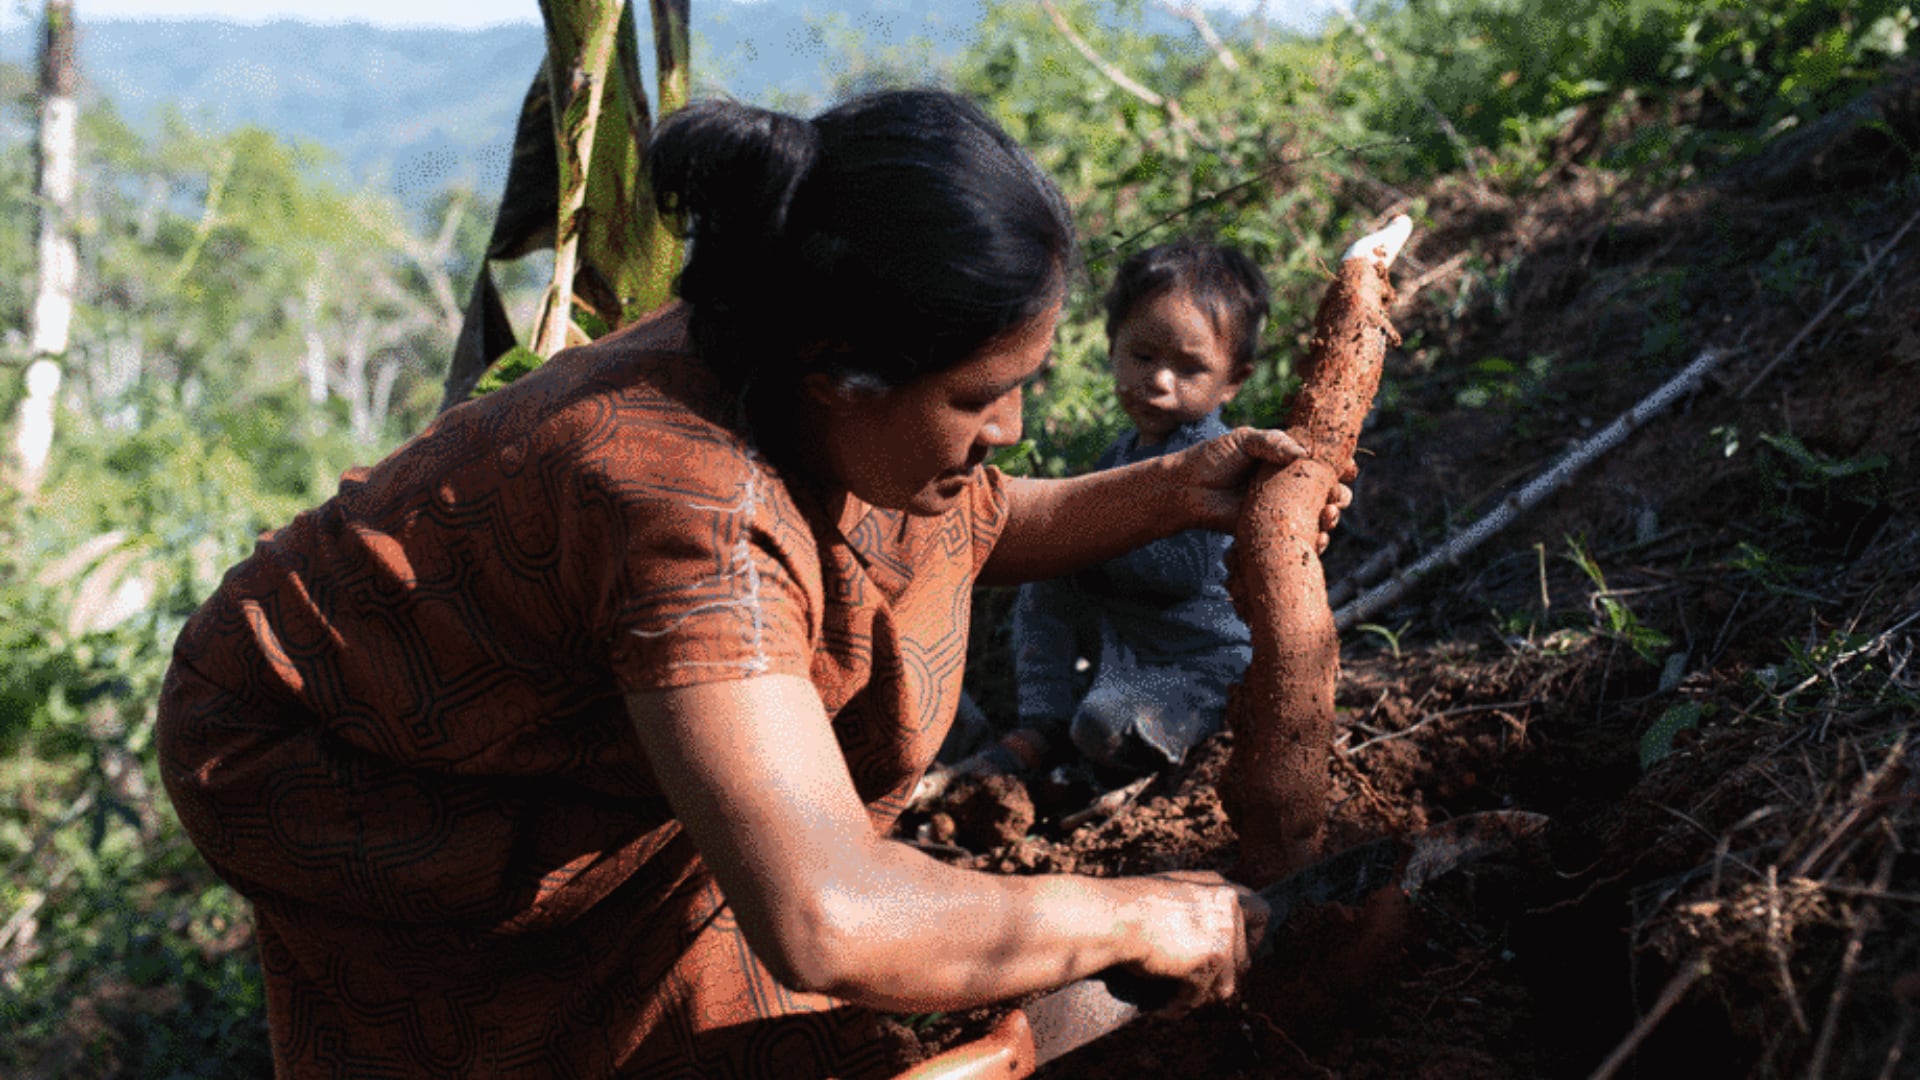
[(1171, 365)]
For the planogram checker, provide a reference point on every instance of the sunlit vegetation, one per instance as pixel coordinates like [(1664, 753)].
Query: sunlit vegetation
[(248, 329)]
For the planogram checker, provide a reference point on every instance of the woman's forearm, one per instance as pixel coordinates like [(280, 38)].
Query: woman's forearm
[(921, 935), (829, 906), (1056, 527)]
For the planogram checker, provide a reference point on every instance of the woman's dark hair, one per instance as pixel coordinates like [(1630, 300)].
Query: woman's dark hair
[(885, 239), (1219, 278)]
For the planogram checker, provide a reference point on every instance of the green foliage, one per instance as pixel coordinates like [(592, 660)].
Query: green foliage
[(1388, 636), (131, 922), (516, 362), (1613, 617), (1841, 501), (1656, 744), (1844, 671), (144, 982), (221, 263), (1288, 156), (1511, 74)]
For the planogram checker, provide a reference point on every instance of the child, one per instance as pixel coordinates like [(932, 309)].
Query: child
[(1131, 660)]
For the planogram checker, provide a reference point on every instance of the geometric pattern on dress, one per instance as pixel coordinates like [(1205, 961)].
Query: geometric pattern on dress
[(399, 727)]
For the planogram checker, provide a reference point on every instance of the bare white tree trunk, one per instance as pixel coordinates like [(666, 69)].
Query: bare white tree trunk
[(315, 364), (383, 381), (353, 381), (51, 319)]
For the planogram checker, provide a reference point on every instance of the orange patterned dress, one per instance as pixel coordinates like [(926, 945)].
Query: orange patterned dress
[(399, 727)]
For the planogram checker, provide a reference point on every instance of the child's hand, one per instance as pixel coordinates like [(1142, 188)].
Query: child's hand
[(1218, 471)]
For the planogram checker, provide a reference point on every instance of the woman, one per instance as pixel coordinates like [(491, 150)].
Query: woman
[(565, 741)]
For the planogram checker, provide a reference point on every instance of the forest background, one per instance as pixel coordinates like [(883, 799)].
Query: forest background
[(257, 314)]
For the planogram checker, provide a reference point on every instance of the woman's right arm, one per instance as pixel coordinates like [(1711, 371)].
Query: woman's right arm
[(754, 774)]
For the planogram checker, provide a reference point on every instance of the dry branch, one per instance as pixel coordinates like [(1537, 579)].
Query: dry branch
[(1676, 989), (1368, 572), (1181, 121), (1377, 598), (1190, 11), (1821, 315), (1849, 966)]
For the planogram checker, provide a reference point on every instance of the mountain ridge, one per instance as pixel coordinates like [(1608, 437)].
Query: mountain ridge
[(375, 97)]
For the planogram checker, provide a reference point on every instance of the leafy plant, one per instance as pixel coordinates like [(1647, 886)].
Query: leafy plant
[(1614, 618), (1656, 744)]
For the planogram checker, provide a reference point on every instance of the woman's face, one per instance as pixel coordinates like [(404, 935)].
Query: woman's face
[(914, 447)]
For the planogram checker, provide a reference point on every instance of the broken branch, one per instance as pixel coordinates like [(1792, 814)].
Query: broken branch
[(1119, 78), (1190, 11), (1821, 316), (1377, 598), (1676, 989)]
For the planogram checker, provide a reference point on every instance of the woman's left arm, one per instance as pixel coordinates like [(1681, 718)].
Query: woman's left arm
[(1056, 527)]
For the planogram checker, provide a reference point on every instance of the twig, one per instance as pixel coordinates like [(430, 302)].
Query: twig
[(1424, 721), (1879, 642), (1119, 78), (1897, 1048), (1864, 800), (1686, 382), (1677, 988), (1363, 575), (1190, 11), (1849, 965), (35, 902), (1266, 172), (1781, 356), (1405, 293), (1107, 804), (80, 805), (1711, 835), (1778, 947), (1876, 894), (1280, 1033), (1342, 760)]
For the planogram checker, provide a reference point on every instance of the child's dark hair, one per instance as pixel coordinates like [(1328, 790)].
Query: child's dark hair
[(1220, 279), (887, 238)]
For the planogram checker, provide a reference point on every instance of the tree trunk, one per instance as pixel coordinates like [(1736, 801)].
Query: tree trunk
[(59, 259), (314, 362), (1281, 713)]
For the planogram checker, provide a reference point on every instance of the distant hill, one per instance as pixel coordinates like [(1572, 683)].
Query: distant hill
[(423, 108)]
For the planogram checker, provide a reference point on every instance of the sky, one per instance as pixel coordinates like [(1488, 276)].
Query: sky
[(461, 13)]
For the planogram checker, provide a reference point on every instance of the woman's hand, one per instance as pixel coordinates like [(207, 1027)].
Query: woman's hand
[(1216, 473), (1199, 929)]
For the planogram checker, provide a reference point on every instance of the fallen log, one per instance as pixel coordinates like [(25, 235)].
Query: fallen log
[(1281, 713)]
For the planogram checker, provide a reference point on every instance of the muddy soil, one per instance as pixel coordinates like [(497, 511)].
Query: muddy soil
[(1697, 659)]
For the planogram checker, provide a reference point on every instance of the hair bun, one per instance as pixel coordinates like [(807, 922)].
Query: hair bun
[(732, 169), (891, 235)]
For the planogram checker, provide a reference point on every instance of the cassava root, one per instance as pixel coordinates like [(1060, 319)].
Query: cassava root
[(1281, 713)]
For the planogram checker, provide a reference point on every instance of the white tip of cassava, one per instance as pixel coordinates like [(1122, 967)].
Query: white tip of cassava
[(1384, 246)]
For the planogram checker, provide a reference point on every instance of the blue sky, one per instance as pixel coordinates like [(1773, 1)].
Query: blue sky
[(465, 13)]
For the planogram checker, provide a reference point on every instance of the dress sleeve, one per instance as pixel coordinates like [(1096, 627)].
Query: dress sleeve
[(719, 579), (988, 514)]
